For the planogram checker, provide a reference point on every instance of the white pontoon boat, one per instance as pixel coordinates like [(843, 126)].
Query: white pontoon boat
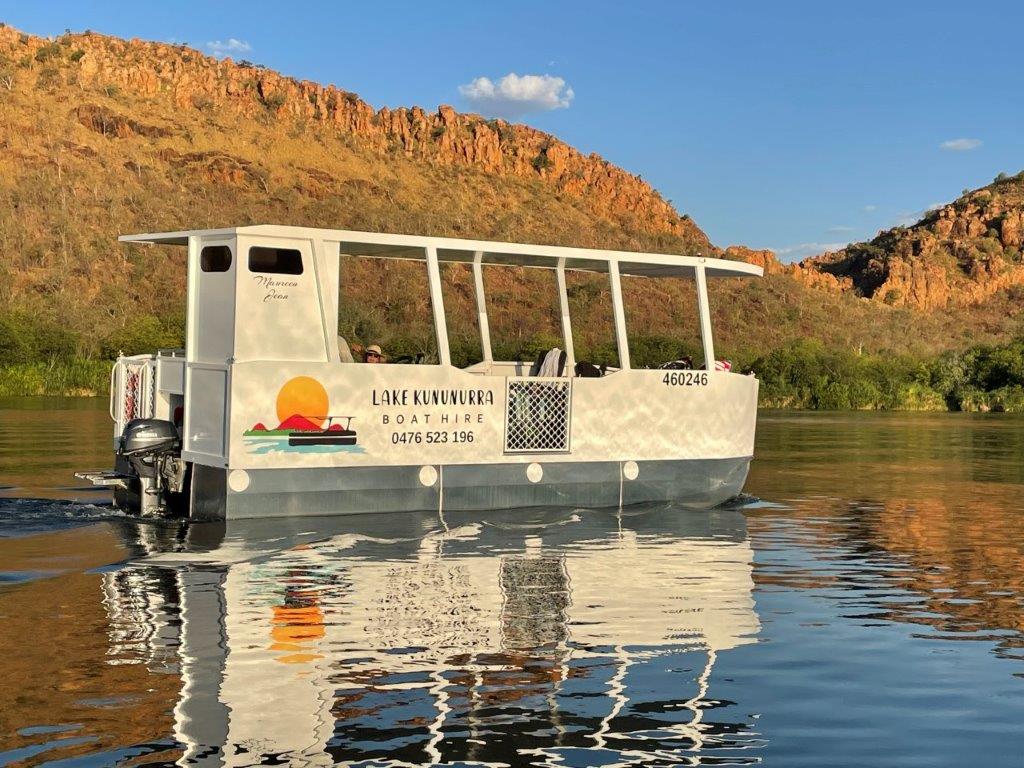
[(258, 415)]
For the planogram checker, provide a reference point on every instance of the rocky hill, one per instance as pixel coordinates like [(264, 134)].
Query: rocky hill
[(107, 72), (963, 254), (101, 136)]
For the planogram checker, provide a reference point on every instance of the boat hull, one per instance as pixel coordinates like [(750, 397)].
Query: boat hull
[(241, 494)]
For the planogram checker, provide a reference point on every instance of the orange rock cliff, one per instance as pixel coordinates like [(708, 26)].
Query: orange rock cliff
[(194, 81)]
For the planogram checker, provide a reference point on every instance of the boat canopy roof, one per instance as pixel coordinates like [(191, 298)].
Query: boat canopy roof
[(391, 246)]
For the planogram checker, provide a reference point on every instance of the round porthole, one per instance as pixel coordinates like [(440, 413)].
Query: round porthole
[(534, 473), (238, 480), (428, 475), (630, 470)]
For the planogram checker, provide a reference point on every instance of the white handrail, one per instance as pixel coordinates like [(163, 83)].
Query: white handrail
[(113, 389)]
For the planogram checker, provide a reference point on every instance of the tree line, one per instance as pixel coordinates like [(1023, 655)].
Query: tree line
[(41, 357)]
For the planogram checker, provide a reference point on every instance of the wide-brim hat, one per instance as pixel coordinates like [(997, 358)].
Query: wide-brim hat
[(374, 348)]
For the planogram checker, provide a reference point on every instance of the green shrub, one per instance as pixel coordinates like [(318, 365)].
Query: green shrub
[(26, 338), (142, 334), (49, 51), (892, 296), (48, 78), (1009, 399), (506, 133), (919, 397), (864, 394), (541, 162), (274, 101)]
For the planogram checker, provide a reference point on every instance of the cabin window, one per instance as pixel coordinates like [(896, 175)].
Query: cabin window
[(215, 258), (524, 318), (662, 322), (386, 302), (459, 292), (593, 319), (275, 261)]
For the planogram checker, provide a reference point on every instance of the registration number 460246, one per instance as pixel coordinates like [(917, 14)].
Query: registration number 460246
[(686, 379)]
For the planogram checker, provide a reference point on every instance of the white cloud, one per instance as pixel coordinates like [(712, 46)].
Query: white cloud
[(231, 45), (513, 95), (960, 145), (841, 228), (803, 250), (870, 208)]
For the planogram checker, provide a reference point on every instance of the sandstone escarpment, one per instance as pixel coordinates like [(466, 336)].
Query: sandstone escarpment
[(191, 81), (804, 274), (959, 255), (100, 137)]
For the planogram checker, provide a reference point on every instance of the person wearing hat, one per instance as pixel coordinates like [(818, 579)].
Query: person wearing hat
[(373, 354)]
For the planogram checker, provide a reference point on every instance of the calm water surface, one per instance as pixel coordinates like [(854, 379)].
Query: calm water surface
[(865, 607)]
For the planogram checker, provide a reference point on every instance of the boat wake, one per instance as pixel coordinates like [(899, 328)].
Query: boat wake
[(23, 517)]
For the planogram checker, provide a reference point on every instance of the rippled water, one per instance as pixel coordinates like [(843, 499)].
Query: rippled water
[(864, 607)]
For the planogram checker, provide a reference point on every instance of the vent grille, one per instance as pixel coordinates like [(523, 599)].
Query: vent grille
[(537, 415)]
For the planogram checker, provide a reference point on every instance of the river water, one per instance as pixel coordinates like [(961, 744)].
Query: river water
[(865, 606)]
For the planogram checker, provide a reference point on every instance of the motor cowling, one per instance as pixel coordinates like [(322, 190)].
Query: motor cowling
[(149, 437), (152, 447)]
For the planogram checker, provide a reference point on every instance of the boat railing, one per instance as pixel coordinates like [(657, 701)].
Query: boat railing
[(538, 411), (132, 390)]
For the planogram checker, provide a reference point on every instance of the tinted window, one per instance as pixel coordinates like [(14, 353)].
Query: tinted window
[(215, 258), (276, 261)]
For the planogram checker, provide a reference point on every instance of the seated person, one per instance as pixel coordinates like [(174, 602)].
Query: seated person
[(373, 354)]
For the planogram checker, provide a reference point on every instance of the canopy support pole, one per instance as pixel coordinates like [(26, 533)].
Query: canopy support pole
[(563, 303), (437, 305), (621, 342), (481, 307), (705, 318)]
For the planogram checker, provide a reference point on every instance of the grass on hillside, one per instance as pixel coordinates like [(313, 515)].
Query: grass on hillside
[(72, 297)]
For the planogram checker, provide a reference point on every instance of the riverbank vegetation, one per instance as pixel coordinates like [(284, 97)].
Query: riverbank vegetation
[(40, 357), (808, 375)]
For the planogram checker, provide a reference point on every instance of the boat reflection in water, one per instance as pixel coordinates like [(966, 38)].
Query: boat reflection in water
[(548, 637)]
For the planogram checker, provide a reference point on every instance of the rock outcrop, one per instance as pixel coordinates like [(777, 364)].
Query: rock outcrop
[(806, 274), (959, 255), (195, 82), (100, 137)]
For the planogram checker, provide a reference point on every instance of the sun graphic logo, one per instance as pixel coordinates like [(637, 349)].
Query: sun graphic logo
[(302, 403), (304, 420)]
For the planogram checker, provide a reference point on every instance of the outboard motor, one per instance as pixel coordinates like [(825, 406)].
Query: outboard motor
[(152, 448)]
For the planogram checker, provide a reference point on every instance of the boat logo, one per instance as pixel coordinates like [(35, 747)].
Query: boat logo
[(305, 423)]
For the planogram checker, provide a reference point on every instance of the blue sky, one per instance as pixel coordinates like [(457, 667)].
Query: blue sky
[(790, 125)]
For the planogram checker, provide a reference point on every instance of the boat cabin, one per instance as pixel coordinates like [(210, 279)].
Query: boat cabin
[(264, 384)]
